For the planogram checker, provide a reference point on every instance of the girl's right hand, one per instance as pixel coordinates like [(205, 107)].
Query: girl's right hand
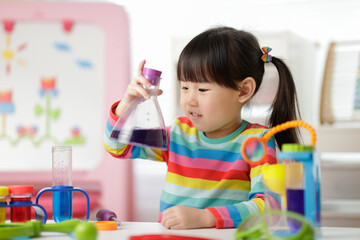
[(135, 90)]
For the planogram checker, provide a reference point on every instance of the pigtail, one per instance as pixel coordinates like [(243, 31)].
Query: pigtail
[(285, 105)]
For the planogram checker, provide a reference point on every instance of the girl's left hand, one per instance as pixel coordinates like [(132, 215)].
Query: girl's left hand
[(183, 217)]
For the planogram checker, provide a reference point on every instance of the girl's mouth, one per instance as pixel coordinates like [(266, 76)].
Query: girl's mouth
[(195, 116)]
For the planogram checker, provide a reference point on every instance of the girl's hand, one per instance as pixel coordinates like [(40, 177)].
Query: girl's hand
[(183, 217), (135, 90)]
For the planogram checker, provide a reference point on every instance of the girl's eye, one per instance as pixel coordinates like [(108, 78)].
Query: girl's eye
[(184, 88), (203, 90)]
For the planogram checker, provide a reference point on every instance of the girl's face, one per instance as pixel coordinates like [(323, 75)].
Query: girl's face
[(213, 109)]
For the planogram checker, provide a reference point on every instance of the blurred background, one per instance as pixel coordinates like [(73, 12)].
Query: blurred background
[(319, 41), (299, 31)]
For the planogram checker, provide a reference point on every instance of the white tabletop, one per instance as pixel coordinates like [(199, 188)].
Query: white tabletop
[(128, 229)]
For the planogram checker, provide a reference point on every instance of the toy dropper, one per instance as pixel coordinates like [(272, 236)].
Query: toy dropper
[(106, 215), (106, 220)]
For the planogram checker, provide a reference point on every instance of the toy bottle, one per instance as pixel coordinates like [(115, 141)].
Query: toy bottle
[(4, 191), (20, 195), (302, 180), (143, 124)]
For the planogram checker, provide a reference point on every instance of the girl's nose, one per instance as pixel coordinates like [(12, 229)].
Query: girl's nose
[(192, 100)]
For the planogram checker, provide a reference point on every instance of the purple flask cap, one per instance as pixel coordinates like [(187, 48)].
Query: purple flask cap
[(152, 75)]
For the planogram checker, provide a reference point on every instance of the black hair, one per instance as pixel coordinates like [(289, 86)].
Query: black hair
[(227, 56)]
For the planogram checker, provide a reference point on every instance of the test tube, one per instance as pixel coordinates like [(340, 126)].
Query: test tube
[(61, 181), (20, 193), (4, 191)]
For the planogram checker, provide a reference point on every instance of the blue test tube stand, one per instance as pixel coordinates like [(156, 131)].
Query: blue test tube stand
[(40, 212), (67, 191)]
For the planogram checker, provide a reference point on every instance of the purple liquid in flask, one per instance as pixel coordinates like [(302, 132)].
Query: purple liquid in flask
[(154, 138)]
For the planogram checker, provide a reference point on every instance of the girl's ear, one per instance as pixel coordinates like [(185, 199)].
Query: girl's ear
[(247, 89)]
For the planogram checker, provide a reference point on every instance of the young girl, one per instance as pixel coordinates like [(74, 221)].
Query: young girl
[(208, 184)]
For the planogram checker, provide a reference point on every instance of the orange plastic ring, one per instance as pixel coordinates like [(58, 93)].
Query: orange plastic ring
[(106, 225)]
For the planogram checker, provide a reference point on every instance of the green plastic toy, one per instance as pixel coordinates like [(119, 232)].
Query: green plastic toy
[(79, 230), (258, 226)]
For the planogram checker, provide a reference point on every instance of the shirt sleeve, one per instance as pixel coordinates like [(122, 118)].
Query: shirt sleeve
[(125, 151), (230, 216)]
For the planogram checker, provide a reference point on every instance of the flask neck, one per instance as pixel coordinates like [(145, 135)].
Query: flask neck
[(153, 90), (155, 81)]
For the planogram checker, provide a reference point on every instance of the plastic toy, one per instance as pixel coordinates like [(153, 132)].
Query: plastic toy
[(4, 192), (253, 149), (20, 204), (166, 237), (295, 181), (20, 194), (79, 230), (302, 180), (274, 181), (259, 226), (106, 225), (106, 220), (62, 188), (106, 215)]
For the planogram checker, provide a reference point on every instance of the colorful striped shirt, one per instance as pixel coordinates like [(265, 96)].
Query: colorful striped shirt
[(204, 172)]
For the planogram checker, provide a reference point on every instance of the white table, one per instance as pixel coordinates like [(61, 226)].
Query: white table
[(128, 229)]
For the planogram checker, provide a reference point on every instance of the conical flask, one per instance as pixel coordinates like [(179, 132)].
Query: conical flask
[(142, 124)]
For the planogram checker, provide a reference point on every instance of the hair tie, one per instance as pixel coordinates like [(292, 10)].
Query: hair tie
[(266, 57)]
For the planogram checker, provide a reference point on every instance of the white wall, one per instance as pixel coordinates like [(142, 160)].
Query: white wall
[(155, 24)]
